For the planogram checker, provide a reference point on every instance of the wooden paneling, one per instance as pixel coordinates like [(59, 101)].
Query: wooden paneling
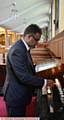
[(60, 50), (57, 45), (63, 50)]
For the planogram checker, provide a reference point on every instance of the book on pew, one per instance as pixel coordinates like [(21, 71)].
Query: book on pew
[(47, 65), (44, 69)]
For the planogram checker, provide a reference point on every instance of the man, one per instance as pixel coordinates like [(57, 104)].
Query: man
[(20, 80)]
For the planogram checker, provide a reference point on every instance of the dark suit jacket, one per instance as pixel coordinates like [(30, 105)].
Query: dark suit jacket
[(20, 81)]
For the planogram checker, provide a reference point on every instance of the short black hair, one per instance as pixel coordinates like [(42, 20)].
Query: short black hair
[(32, 29)]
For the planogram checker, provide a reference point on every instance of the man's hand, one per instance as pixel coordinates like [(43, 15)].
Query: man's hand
[(50, 83)]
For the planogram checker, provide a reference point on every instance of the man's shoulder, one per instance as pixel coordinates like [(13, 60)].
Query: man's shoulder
[(18, 47)]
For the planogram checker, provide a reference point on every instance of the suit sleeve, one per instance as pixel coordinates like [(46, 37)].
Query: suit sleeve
[(19, 65)]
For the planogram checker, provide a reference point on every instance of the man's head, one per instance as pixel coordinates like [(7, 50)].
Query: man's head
[(32, 35)]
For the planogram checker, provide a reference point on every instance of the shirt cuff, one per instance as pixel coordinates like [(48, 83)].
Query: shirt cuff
[(44, 90)]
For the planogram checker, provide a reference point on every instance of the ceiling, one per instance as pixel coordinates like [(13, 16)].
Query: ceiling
[(17, 14)]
